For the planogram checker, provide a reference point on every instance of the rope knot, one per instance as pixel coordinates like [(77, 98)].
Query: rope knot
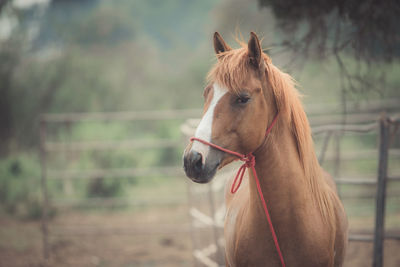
[(250, 160)]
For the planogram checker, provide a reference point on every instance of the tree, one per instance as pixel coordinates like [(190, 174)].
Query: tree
[(368, 31)]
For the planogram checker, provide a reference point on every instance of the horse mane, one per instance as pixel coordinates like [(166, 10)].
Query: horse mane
[(232, 68), (287, 99)]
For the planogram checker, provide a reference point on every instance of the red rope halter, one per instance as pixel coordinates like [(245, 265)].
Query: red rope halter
[(249, 162)]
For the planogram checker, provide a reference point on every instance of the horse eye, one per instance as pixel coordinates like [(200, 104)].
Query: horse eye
[(242, 99)]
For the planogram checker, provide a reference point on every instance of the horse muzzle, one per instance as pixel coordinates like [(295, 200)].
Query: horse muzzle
[(200, 170)]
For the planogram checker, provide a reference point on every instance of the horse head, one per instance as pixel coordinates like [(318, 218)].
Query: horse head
[(237, 109)]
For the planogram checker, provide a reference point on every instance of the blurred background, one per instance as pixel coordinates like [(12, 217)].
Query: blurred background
[(98, 99)]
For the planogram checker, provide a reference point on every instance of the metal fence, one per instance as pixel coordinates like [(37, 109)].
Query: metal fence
[(206, 201), (66, 175)]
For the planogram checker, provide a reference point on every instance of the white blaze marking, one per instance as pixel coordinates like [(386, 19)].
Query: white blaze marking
[(203, 131)]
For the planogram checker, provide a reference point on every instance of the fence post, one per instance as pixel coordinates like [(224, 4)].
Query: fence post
[(219, 254), (192, 237), (381, 192), (324, 147), (45, 203)]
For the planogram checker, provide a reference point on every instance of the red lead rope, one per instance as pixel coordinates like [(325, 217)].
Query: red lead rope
[(249, 162)]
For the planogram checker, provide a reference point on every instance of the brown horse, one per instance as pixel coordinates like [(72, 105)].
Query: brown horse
[(245, 93)]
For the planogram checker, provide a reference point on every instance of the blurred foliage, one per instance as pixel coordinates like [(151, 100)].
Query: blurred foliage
[(87, 56), (366, 32), (20, 187), (83, 56), (101, 187), (369, 29), (98, 55)]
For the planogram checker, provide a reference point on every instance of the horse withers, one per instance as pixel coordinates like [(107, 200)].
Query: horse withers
[(305, 223)]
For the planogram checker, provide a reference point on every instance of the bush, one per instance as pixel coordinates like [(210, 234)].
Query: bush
[(101, 187), (20, 193)]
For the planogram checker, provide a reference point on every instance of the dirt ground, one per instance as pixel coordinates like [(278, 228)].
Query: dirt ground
[(126, 239)]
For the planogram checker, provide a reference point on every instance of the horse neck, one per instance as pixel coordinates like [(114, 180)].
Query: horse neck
[(281, 176)]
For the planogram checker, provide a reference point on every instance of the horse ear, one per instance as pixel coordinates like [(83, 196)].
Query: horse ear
[(219, 44), (255, 51)]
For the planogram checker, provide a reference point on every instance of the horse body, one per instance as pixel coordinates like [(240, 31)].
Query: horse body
[(302, 235), (246, 92)]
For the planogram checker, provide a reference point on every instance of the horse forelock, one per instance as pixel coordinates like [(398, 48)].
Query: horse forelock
[(232, 69)]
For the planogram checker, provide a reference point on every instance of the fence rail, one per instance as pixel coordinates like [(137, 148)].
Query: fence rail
[(116, 201), (370, 237), (110, 145), (353, 107), (122, 116), (114, 173), (363, 181)]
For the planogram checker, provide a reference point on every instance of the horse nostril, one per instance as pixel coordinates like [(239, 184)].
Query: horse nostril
[(193, 164), (197, 162)]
